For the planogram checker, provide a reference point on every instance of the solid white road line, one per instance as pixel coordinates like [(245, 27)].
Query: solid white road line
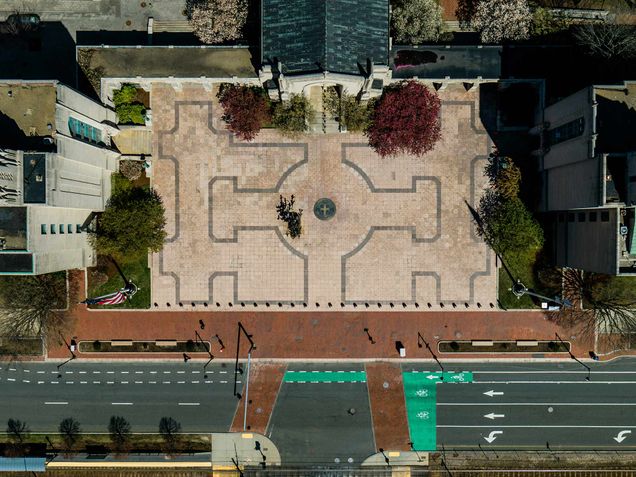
[(188, 404), (534, 427), (56, 403), (554, 382), (594, 370), (495, 403)]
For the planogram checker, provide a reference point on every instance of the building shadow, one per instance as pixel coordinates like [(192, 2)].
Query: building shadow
[(46, 53)]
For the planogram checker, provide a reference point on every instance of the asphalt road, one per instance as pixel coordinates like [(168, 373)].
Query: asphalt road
[(141, 392), (539, 406), (507, 406), (327, 422)]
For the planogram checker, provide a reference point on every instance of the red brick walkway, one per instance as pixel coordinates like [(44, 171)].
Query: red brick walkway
[(265, 382), (320, 335), (388, 407)]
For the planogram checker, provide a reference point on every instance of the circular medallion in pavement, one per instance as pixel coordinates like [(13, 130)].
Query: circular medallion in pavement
[(324, 209)]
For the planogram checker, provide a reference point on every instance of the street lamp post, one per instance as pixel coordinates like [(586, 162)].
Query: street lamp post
[(237, 370), (68, 346), (386, 459), (420, 340), (197, 337), (589, 370), (419, 459)]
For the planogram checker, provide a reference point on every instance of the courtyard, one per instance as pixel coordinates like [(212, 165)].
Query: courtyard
[(398, 233)]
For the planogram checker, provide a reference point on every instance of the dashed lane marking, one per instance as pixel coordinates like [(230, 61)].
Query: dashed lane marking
[(10, 379), (189, 404), (41, 372), (121, 403), (53, 403)]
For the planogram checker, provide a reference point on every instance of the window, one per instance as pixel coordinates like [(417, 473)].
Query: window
[(85, 132), (53, 228), (61, 228), (43, 229), (581, 216), (566, 131), (605, 216), (78, 228), (69, 228), (592, 216)]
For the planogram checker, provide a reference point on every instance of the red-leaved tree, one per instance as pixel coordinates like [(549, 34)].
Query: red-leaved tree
[(245, 109), (405, 119)]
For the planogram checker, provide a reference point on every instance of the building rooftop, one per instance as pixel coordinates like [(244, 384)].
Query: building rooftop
[(438, 62), (616, 119), (161, 62), (320, 35), (27, 110)]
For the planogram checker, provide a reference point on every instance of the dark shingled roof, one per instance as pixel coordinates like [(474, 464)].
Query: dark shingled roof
[(325, 35)]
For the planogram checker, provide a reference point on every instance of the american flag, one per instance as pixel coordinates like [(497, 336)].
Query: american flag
[(110, 299)]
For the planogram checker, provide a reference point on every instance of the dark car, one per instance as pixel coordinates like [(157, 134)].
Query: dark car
[(24, 20)]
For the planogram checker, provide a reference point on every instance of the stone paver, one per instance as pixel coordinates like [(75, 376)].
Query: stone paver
[(401, 237)]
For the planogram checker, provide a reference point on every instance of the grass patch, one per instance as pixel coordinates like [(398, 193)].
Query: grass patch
[(139, 442), (143, 347), (20, 346), (105, 279), (521, 267)]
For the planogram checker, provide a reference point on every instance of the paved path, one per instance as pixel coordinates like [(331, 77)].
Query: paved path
[(319, 335)]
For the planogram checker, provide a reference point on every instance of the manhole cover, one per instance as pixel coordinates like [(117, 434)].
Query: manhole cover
[(324, 209)]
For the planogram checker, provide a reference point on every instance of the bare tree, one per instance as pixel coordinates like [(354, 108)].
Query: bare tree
[(70, 430), (18, 430), (120, 433), (610, 39), (34, 305), (598, 305), (170, 432)]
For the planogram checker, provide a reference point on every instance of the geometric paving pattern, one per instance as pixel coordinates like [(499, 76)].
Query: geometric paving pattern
[(401, 234)]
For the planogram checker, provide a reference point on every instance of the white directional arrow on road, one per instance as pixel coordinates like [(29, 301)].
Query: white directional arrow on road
[(492, 436), (432, 376), (492, 393), (492, 415), (622, 436)]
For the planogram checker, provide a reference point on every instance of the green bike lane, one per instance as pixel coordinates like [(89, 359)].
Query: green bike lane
[(420, 394)]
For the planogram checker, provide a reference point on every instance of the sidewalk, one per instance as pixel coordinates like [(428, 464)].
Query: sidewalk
[(319, 335)]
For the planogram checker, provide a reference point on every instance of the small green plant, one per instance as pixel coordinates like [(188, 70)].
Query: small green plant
[(131, 113), (353, 115), (128, 109), (291, 116), (291, 217), (127, 94)]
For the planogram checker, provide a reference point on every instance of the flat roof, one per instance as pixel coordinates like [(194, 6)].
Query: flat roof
[(616, 118), (13, 228), (26, 110), (161, 62), (34, 173), (438, 62)]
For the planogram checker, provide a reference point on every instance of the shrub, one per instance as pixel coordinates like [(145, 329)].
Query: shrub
[(287, 214), (216, 21), (131, 170), (131, 113), (417, 21), (544, 22), (504, 176), (245, 109), (127, 94), (97, 345), (291, 116), (354, 115), (405, 119), (498, 20)]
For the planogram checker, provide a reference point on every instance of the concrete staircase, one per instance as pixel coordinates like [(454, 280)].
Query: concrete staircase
[(172, 26), (322, 121)]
